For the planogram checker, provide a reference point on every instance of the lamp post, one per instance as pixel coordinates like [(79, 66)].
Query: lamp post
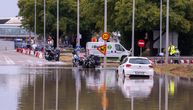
[(35, 20), (78, 24), (105, 28), (160, 26), (167, 30), (133, 28), (57, 24), (34, 99), (44, 24)]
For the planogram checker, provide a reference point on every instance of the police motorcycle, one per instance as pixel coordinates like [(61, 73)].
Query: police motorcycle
[(76, 61), (51, 53), (91, 61)]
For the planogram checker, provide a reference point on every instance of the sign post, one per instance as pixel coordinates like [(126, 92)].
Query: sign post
[(102, 49), (141, 44)]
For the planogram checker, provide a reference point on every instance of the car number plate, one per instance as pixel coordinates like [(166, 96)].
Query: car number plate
[(139, 73)]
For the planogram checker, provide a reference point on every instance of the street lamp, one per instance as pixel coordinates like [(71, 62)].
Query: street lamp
[(160, 26), (167, 30), (57, 23), (78, 22), (35, 20), (133, 28), (105, 28), (44, 24)]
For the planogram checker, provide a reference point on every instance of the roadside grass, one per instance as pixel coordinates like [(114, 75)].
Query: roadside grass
[(182, 70), (65, 58)]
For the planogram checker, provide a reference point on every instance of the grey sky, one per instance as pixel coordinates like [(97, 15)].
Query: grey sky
[(8, 8)]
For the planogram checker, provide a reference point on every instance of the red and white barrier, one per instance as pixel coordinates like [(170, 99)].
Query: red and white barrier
[(38, 54), (191, 61), (172, 61)]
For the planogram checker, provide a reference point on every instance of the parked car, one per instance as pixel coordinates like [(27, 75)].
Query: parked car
[(135, 66)]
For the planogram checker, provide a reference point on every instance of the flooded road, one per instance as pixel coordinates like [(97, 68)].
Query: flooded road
[(77, 89)]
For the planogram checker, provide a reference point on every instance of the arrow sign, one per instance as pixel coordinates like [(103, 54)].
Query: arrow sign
[(102, 49)]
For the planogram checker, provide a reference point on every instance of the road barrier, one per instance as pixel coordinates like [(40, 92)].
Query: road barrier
[(172, 60), (37, 54)]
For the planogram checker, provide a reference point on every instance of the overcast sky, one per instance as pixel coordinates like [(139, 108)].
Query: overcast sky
[(8, 8)]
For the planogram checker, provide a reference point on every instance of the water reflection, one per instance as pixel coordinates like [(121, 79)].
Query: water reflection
[(135, 88), (77, 89), (95, 78)]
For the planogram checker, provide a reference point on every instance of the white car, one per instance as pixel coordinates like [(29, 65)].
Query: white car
[(136, 66)]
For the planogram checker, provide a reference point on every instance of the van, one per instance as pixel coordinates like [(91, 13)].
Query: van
[(114, 50)]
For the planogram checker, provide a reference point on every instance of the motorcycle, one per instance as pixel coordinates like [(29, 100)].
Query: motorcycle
[(91, 61), (76, 61), (52, 54)]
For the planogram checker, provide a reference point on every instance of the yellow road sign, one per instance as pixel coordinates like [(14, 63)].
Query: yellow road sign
[(102, 49), (105, 36)]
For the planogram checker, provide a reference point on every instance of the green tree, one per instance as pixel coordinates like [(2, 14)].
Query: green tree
[(119, 17)]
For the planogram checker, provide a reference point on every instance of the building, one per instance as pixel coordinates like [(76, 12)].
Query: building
[(11, 30)]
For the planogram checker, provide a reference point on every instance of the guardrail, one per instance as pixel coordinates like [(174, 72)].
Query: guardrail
[(173, 60)]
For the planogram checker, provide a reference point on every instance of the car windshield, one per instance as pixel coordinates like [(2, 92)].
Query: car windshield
[(139, 61)]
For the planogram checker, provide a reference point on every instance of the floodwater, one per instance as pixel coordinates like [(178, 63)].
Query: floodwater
[(77, 89)]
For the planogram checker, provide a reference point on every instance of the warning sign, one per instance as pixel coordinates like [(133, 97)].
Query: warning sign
[(106, 36), (102, 49)]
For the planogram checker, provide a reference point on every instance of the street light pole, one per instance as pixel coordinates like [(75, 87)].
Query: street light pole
[(35, 21), (160, 26), (105, 29), (133, 28), (78, 24), (105, 19), (57, 24), (167, 30), (44, 24)]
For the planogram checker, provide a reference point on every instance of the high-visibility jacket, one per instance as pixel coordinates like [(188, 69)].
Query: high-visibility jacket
[(171, 50)]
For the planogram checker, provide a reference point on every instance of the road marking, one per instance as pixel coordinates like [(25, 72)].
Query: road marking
[(8, 60)]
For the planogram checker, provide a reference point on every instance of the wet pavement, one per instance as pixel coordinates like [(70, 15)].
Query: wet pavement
[(59, 88)]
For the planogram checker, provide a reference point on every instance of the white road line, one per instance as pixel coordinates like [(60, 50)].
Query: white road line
[(8, 60)]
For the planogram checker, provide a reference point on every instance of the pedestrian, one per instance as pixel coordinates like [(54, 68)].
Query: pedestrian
[(171, 50)]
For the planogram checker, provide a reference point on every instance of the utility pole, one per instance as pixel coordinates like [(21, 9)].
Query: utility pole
[(35, 21), (167, 30), (78, 24), (57, 23), (44, 24), (160, 26), (133, 28), (105, 29)]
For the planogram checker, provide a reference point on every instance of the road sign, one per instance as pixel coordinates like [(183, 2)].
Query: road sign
[(141, 43), (102, 49), (105, 36)]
